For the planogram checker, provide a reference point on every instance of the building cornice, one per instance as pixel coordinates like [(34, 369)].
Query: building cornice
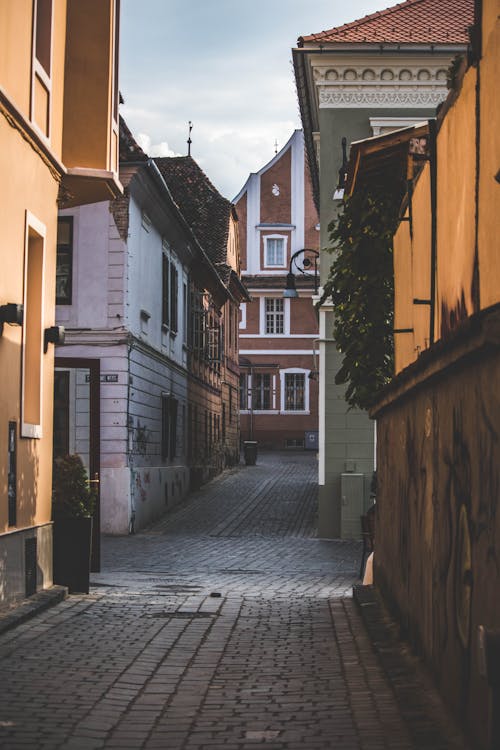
[(351, 76)]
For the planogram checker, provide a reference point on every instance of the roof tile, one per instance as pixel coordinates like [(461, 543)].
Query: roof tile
[(410, 22), (204, 208)]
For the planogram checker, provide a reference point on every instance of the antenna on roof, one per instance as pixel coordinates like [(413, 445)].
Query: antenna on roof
[(276, 146), (189, 141)]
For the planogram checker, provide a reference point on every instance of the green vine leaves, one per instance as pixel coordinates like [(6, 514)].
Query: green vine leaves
[(361, 287)]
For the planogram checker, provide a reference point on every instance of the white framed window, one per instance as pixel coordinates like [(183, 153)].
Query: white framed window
[(261, 392), (275, 251), (258, 392), (41, 83), (33, 327), (294, 390), (274, 316)]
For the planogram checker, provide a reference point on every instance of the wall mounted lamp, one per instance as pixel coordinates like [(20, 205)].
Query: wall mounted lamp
[(290, 290), (339, 190), (12, 314), (53, 335)]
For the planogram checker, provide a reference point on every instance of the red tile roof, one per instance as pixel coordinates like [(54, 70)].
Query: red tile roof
[(410, 22)]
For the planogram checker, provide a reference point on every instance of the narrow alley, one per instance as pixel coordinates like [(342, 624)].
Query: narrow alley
[(226, 625)]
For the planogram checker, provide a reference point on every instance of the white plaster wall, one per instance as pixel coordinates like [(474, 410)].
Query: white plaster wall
[(145, 248), (155, 490), (91, 229), (115, 500)]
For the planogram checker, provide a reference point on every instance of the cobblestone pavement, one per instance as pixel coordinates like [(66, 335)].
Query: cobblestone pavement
[(227, 625)]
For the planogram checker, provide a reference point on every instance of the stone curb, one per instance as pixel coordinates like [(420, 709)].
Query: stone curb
[(28, 608), (430, 725)]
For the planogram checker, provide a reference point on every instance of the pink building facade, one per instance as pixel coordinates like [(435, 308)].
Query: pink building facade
[(278, 335)]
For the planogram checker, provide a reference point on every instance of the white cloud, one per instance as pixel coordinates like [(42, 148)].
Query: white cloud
[(227, 69), (160, 149)]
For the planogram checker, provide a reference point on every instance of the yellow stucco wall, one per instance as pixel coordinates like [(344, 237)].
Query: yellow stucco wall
[(31, 188), (404, 347), (456, 157), (88, 94), (412, 271), (16, 63), (489, 188)]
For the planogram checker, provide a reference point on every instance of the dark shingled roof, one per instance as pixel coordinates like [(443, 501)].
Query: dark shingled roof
[(129, 148), (203, 207), (410, 22)]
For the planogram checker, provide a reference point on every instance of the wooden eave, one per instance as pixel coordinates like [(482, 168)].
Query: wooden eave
[(382, 155)]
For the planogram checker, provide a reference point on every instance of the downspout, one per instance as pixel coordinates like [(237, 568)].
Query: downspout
[(433, 180), (130, 428), (251, 402)]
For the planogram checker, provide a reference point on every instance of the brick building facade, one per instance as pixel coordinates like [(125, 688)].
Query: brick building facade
[(277, 219)]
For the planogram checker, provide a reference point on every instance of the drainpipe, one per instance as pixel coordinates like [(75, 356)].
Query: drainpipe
[(251, 402), (129, 451)]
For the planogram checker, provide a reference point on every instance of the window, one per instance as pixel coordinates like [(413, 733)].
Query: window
[(243, 391), (64, 261), (197, 328), (33, 329), (243, 316), (168, 426), (274, 252), (165, 305), (174, 294), (185, 308), (42, 54), (261, 391), (275, 315), (295, 391)]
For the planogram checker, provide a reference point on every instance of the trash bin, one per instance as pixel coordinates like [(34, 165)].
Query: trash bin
[(250, 452)]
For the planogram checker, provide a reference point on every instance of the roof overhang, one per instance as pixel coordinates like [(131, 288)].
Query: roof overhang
[(80, 186), (385, 157), (315, 89)]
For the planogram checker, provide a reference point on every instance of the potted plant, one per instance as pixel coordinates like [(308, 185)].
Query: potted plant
[(73, 503)]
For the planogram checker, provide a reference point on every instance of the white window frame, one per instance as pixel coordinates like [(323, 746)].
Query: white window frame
[(243, 322), (286, 318), (294, 371), (28, 429), (382, 125), (38, 71), (249, 398), (283, 237)]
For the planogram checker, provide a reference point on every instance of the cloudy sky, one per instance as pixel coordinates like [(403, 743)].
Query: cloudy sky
[(226, 66)]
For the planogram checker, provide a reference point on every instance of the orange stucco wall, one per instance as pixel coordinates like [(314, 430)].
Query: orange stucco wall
[(31, 188), (412, 271), (489, 189), (456, 158)]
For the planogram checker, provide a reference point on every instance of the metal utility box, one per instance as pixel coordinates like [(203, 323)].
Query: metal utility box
[(311, 440), (352, 499)]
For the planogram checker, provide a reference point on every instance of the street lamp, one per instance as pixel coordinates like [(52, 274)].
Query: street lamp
[(290, 289)]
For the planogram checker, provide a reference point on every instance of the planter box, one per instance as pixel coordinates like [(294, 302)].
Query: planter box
[(72, 548)]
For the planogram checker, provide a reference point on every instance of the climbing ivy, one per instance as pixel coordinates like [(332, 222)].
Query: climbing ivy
[(361, 287)]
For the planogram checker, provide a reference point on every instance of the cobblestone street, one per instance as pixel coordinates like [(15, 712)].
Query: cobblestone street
[(226, 625)]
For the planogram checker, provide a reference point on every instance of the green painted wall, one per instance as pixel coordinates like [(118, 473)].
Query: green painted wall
[(349, 434)]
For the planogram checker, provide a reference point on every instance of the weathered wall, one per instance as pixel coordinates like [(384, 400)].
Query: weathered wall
[(489, 156), (456, 170), (439, 481)]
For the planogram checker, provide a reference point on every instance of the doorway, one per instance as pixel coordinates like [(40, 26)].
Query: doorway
[(77, 427)]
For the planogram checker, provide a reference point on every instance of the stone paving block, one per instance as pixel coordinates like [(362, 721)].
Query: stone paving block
[(150, 659)]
